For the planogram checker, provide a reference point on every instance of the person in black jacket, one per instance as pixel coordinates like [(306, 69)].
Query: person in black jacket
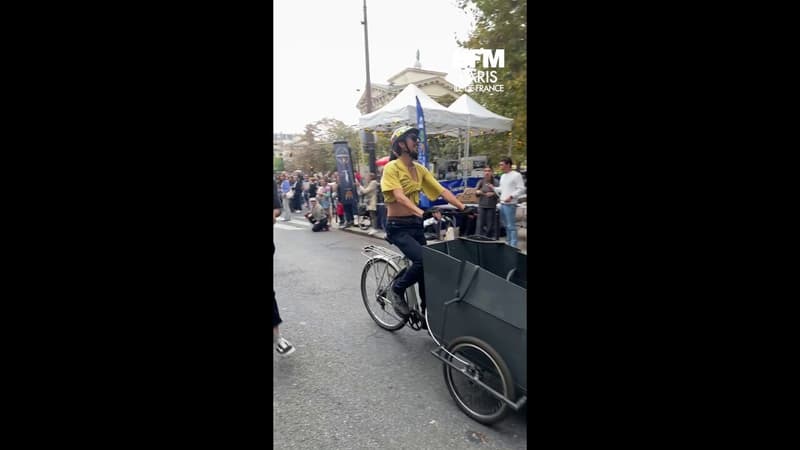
[(312, 189), (297, 200), (282, 346)]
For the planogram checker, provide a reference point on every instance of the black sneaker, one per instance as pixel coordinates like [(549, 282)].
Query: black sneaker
[(284, 347), (399, 303)]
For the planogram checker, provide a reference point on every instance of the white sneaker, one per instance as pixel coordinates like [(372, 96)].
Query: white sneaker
[(284, 347)]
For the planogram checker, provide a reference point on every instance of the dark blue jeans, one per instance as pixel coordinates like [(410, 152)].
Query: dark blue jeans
[(348, 213), (408, 235), (381, 217)]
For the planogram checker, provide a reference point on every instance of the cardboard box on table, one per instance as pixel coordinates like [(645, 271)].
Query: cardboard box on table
[(468, 196)]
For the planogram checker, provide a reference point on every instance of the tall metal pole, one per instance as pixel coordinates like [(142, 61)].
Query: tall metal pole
[(368, 141)]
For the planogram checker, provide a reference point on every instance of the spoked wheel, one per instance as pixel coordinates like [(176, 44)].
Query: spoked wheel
[(486, 363), (375, 281)]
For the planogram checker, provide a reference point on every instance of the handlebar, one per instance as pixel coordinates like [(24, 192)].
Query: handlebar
[(467, 210)]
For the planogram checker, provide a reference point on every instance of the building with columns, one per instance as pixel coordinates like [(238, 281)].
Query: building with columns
[(430, 82)]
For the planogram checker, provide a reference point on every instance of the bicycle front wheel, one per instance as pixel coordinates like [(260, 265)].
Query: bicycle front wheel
[(375, 281)]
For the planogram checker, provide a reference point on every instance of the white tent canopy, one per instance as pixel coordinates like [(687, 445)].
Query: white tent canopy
[(402, 110), (479, 121), (478, 117)]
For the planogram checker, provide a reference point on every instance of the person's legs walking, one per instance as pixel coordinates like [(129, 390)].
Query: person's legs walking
[(276, 315), (282, 346), (382, 217), (286, 214), (295, 201), (348, 213)]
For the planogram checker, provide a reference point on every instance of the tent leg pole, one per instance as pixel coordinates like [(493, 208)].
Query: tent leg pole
[(467, 168)]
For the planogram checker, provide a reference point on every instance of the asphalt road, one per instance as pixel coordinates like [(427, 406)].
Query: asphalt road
[(350, 384)]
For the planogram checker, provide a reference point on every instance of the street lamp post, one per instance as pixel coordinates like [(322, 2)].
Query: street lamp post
[(368, 139)]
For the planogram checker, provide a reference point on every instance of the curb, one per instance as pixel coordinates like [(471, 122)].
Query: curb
[(358, 231)]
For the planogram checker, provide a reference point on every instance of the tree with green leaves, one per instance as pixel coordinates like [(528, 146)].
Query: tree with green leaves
[(501, 24), (319, 137), (277, 164), (446, 100)]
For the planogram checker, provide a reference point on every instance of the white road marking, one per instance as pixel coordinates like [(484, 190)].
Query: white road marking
[(287, 227), (304, 223)]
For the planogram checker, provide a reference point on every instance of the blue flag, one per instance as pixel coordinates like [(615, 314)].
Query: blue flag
[(423, 136), (423, 150)]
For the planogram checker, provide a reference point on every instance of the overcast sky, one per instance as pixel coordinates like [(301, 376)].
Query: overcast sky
[(319, 52)]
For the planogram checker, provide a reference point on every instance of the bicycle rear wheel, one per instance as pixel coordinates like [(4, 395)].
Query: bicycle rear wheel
[(376, 278), (489, 367)]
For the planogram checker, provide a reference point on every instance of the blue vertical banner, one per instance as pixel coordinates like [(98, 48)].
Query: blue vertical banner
[(423, 136), (344, 165), (423, 150)]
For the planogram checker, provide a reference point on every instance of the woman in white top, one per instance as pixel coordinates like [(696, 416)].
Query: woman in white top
[(370, 194)]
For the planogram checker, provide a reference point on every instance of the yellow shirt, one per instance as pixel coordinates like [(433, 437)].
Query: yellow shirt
[(397, 175)]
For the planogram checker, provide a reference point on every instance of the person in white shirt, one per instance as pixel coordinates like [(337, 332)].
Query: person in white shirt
[(512, 186)]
